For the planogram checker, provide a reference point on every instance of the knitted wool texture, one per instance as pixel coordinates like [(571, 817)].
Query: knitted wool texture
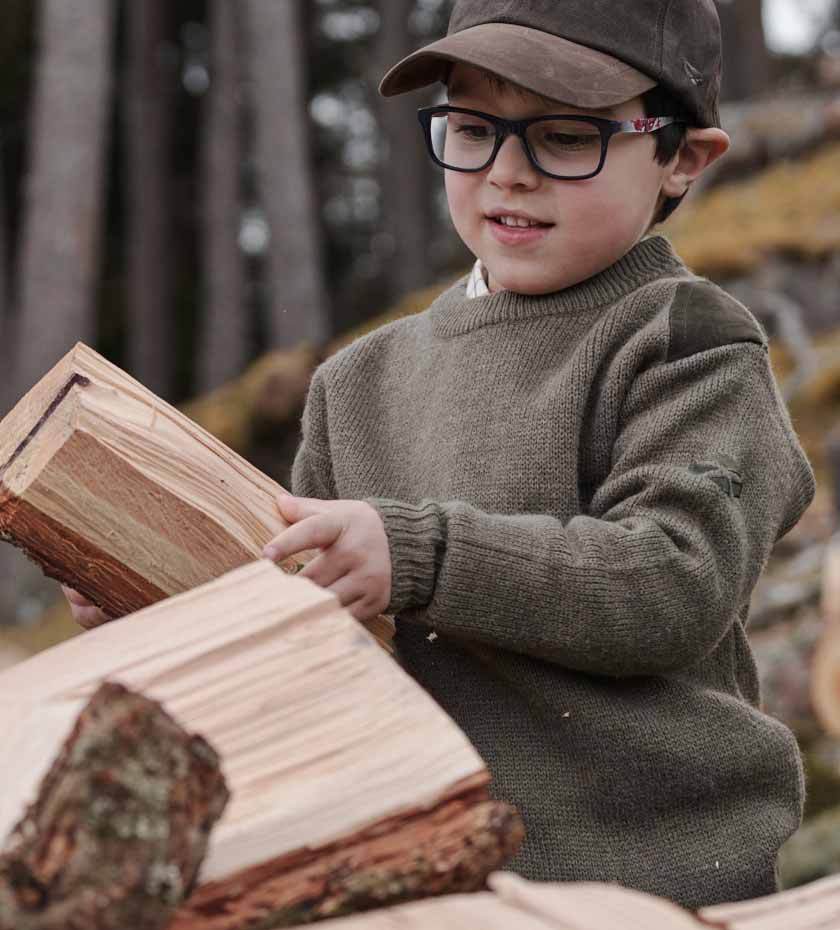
[(556, 476)]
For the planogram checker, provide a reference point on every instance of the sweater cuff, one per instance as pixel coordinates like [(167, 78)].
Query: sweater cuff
[(416, 539)]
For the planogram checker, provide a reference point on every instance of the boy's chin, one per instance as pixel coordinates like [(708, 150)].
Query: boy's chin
[(528, 285)]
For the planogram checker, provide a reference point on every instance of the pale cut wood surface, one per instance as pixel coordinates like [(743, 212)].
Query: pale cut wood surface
[(320, 733), (825, 671), (812, 907), (118, 494), (515, 904)]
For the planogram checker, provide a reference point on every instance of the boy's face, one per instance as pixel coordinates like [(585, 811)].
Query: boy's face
[(591, 224)]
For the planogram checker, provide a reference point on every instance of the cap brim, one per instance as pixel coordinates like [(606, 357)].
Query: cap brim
[(538, 61)]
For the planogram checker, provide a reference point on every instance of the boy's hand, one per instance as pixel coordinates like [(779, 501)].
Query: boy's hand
[(355, 563), (87, 615)]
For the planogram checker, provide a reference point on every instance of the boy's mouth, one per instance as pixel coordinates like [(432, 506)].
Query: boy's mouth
[(517, 229), (517, 221)]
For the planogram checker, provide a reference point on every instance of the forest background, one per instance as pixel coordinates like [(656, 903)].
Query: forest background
[(188, 184)]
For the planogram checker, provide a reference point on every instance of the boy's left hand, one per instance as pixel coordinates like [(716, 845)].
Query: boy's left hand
[(354, 562)]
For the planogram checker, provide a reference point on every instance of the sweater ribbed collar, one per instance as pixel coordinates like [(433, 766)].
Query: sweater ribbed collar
[(453, 313)]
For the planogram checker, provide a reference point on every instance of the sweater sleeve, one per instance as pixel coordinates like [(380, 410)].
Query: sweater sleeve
[(706, 475), (312, 472)]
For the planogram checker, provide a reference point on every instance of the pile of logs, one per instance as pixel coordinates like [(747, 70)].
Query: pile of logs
[(348, 787)]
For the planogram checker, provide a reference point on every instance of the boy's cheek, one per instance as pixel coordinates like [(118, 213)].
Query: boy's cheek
[(463, 201)]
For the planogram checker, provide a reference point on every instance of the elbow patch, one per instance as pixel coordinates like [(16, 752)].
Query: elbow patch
[(723, 472), (704, 317)]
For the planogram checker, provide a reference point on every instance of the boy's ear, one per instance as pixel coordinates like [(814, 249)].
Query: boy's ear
[(701, 148)]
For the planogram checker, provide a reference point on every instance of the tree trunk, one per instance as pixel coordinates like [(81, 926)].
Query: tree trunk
[(276, 50), (404, 173), (746, 60), (224, 347), (147, 138), (65, 189)]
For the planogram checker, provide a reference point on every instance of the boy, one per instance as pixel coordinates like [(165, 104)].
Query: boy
[(565, 477)]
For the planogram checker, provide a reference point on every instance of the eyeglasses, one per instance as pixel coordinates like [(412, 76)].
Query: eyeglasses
[(567, 148)]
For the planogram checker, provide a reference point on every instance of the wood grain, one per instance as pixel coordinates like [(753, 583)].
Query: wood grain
[(120, 496)]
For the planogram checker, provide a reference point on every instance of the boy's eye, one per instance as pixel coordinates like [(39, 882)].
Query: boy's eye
[(475, 131), (565, 138)]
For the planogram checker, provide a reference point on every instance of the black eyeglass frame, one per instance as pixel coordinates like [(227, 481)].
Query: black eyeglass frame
[(518, 127)]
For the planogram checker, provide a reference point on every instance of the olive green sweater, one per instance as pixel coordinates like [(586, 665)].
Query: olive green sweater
[(580, 490)]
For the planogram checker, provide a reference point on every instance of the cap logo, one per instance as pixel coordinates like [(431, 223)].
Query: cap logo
[(695, 76)]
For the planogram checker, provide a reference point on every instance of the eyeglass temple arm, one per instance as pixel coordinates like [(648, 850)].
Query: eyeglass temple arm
[(647, 124)]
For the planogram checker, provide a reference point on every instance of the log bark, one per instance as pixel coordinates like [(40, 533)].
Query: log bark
[(120, 825), (515, 904), (350, 788), (120, 496), (447, 850)]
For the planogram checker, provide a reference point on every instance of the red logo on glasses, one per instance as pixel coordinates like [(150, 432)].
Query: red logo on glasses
[(646, 125)]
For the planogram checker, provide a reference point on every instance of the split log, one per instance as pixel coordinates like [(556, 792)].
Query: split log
[(120, 825), (350, 788), (784, 654), (118, 495), (821, 757), (813, 907), (825, 683), (825, 688), (514, 904), (10, 655), (813, 852)]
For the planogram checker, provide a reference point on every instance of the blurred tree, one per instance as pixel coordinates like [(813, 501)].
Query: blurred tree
[(747, 65), (224, 341), (59, 251), (147, 140), (276, 46), (58, 255), (404, 175)]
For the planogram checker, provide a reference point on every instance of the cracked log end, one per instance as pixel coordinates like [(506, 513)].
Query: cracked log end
[(120, 826)]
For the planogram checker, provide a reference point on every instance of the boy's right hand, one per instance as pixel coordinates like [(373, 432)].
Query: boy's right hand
[(85, 613)]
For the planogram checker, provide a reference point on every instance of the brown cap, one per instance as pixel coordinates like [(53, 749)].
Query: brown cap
[(586, 53)]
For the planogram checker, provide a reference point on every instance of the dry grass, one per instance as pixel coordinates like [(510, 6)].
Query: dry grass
[(792, 208)]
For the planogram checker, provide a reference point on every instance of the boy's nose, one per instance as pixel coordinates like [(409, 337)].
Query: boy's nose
[(512, 167)]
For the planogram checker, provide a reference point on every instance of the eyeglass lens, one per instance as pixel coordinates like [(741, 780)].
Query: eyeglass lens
[(564, 147)]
